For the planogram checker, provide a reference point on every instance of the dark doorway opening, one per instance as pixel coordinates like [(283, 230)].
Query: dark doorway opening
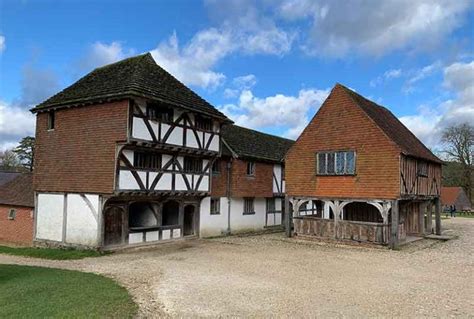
[(113, 225), (170, 213), (188, 227), (141, 214)]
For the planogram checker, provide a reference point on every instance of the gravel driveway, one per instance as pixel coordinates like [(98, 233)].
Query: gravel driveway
[(270, 275)]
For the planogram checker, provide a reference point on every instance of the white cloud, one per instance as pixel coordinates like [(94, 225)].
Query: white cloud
[(193, 63), (2, 43), (388, 75), (100, 54), (15, 123), (429, 123), (240, 83), (282, 111), (340, 27), (37, 85)]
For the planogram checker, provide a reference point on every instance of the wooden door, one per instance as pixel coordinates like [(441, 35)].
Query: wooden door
[(188, 224), (113, 225)]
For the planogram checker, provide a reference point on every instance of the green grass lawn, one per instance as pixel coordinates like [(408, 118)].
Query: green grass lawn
[(36, 292), (49, 253)]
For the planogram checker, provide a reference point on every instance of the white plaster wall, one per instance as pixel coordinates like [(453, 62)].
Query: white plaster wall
[(165, 159), (139, 129), (191, 139), (204, 164), (164, 129), (179, 183), (49, 219), (204, 186), (164, 183), (277, 173), (214, 144), (127, 181), (81, 221), (212, 225), (129, 155), (240, 222), (176, 136), (180, 160)]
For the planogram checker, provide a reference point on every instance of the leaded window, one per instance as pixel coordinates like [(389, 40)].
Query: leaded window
[(160, 113), (192, 165), (146, 160), (336, 163), (215, 206), (248, 206)]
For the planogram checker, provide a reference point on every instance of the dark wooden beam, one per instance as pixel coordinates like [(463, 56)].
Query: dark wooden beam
[(394, 225), (437, 203)]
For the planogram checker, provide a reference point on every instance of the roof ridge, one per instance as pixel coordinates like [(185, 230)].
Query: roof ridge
[(263, 133)]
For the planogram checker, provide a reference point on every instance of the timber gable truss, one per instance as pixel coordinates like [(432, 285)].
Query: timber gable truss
[(181, 131), (171, 176)]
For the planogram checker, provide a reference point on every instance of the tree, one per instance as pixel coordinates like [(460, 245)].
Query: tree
[(9, 161), (25, 152), (459, 142)]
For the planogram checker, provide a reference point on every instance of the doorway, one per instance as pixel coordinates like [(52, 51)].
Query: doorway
[(113, 225), (188, 224)]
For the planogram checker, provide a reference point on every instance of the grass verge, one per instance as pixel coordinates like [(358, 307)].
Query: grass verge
[(36, 292), (49, 253)]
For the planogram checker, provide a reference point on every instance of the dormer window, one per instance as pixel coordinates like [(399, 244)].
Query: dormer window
[(203, 123), (161, 113)]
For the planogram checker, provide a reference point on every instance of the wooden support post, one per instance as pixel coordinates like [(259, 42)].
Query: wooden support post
[(394, 225), (429, 218), (438, 216), (288, 217), (336, 217), (421, 218)]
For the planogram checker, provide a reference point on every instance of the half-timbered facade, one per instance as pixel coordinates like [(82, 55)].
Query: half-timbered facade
[(357, 173), (123, 156), (248, 183)]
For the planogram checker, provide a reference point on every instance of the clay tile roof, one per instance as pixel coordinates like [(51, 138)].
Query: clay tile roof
[(5, 177), (18, 191), (393, 128), (136, 76), (450, 194), (247, 143)]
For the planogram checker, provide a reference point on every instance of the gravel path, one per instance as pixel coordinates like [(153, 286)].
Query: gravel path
[(270, 275)]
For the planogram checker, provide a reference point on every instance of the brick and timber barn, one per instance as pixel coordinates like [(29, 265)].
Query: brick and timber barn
[(16, 208), (455, 196), (123, 157), (247, 183), (357, 173)]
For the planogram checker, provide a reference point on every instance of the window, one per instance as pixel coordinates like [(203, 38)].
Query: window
[(12, 214), (51, 120), (248, 206), (203, 123), (160, 113), (146, 160), (270, 204), (422, 169), (192, 165), (250, 168), (216, 167), (336, 163), (215, 206)]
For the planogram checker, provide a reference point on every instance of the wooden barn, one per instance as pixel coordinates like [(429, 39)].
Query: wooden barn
[(357, 173), (455, 196)]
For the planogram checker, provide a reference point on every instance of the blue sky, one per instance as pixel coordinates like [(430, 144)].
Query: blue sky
[(267, 64)]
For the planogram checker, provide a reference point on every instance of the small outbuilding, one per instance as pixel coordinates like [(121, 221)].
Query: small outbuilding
[(16, 208), (455, 196)]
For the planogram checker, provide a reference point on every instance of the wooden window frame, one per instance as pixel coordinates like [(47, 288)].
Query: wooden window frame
[(12, 214), (196, 164), (215, 207), (51, 120), (251, 167), (249, 206), (422, 172), (273, 201), (149, 160), (203, 123), (335, 154), (216, 167), (161, 113)]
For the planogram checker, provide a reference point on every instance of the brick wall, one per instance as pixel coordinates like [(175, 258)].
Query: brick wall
[(17, 231), (260, 185), (79, 154), (341, 125), (242, 185), (219, 181)]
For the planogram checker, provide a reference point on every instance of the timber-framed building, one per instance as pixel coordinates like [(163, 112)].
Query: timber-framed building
[(123, 156), (357, 173)]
